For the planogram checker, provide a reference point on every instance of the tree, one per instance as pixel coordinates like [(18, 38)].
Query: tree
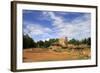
[(28, 42), (73, 41), (53, 41), (86, 41), (89, 41), (40, 44), (47, 44)]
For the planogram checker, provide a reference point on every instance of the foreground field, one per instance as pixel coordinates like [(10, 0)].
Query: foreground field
[(38, 54)]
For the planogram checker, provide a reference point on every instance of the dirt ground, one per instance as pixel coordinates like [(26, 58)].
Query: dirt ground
[(38, 54)]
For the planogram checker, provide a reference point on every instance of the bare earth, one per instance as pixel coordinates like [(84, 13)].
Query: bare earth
[(38, 54)]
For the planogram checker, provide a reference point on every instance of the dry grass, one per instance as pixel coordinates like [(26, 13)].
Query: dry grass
[(38, 54)]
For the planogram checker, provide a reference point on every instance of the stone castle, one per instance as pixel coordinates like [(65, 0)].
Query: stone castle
[(62, 43)]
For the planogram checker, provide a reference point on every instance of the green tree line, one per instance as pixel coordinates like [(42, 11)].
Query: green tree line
[(28, 42), (78, 42)]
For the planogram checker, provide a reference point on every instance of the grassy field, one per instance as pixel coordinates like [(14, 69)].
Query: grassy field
[(39, 54)]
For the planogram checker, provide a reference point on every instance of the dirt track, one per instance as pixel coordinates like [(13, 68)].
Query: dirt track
[(39, 54)]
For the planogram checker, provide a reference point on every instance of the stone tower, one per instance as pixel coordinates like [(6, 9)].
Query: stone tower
[(63, 42)]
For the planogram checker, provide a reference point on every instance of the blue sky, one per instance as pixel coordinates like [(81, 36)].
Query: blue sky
[(43, 25)]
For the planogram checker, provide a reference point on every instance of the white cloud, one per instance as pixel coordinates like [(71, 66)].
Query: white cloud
[(79, 28), (36, 29)]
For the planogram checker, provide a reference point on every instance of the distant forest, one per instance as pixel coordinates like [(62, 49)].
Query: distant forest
[(28, 42)]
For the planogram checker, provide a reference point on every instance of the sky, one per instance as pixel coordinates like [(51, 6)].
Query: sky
[(45, 25)]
